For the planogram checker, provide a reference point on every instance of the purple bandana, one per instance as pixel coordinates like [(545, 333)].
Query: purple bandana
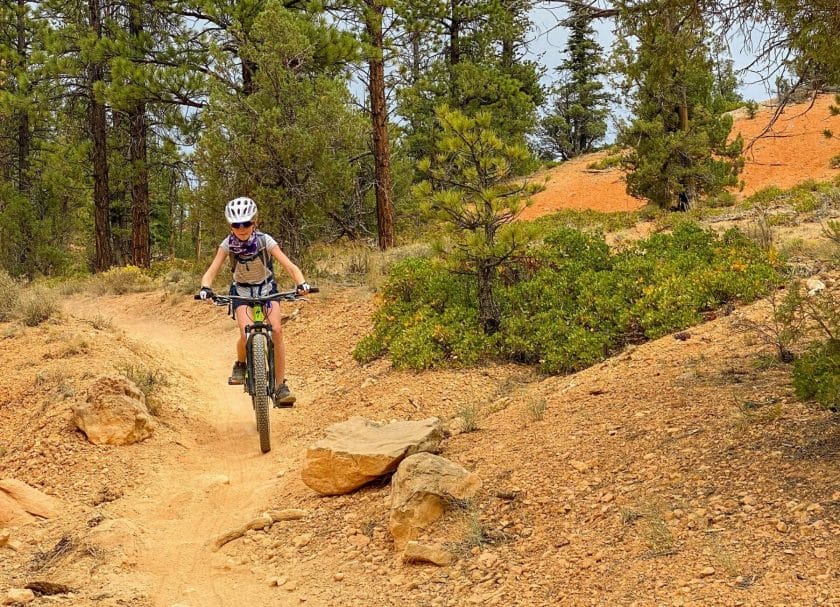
[(243, 248)]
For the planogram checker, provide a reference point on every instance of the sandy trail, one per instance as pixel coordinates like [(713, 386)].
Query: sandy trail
[(204, 485)]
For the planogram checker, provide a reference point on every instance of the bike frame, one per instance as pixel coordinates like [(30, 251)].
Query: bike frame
[(258, 326), (254, 373)]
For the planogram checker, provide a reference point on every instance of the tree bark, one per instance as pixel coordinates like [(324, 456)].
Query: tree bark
[(415, 57), (379, 123), (454, 43), (98, 127), (140, 208), (249, 69), (489, 312), (137, 152), (24, 136)]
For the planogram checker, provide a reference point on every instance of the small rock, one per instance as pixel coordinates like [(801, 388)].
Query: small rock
[(359, 540), (338, 577), (781, 527), (814, 285), (19, 596), (415, 552), (578, 465), (4, 537), (820, 553), (290, 586), (706, 572), (302, 540)]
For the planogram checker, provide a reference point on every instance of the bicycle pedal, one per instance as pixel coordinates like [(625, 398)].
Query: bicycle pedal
[(235, 382)]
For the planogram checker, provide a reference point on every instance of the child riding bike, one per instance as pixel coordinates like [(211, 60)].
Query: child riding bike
[(251, 254)]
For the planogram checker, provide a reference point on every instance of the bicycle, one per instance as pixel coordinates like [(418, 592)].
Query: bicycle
[(260, 382)]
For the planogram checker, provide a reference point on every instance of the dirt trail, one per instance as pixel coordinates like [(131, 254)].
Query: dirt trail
[(207, 484)]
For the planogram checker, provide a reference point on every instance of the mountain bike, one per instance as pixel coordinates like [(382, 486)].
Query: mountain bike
[(260, 382)]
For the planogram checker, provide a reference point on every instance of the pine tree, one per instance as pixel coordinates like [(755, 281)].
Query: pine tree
[(678, 135), (291, 142), (39, 148), (578, 118), (469, 186), (469, 56)]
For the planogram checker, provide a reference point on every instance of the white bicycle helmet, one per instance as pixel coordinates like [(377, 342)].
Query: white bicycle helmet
[(240, 209)]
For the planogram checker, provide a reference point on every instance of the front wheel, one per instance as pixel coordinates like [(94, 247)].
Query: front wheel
[(260, 394)]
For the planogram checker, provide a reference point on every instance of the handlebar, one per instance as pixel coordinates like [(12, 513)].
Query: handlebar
[(260, 299)]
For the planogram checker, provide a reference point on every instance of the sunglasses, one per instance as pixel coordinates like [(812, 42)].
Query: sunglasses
[(242, 224)]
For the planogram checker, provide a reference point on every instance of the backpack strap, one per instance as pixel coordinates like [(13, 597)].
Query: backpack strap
[(263, 253)]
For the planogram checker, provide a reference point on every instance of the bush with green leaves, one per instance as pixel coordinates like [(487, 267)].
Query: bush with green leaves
[(429, 318), (569, 303), (816, 374)]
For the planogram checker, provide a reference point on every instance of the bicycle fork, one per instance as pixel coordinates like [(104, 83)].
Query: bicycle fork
[(250, 331)]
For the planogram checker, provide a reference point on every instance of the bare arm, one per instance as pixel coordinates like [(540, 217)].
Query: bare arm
[(287, 264), (213, 270)]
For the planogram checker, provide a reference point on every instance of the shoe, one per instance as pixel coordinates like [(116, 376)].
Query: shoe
[(283, 397), (237, 375)]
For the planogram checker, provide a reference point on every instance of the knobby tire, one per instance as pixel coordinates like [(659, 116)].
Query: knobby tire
[(260, 395)]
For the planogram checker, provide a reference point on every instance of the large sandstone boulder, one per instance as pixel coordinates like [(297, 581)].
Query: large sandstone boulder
[(421, 490), (12, 514), (357, 451), (115, 413), (21, 504)]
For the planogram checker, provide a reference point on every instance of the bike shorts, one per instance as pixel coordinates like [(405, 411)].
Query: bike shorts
[(268, 288)]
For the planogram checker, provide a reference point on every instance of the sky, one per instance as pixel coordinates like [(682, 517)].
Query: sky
[(547, 46), (548, 42)]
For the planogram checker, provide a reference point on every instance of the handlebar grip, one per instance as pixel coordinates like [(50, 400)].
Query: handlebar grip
[(314, 290)]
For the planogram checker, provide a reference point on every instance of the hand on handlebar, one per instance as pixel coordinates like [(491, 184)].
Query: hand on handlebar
[(205, 293), (303, 288)]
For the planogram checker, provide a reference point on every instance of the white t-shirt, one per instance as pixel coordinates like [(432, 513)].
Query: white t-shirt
[(252, 270)]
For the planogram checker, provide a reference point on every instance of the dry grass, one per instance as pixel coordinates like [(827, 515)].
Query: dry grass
[(535, 410), (37, 305), (149, 380), (357, 263)]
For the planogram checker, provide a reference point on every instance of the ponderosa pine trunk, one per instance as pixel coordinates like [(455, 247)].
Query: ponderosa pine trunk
[(379, 124), (137, 153), (24, 136), (99, 153)]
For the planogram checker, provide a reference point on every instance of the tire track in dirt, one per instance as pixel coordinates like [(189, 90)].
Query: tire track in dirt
[(206, 484)]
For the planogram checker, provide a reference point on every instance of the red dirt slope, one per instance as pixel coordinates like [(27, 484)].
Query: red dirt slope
[(793, 150)]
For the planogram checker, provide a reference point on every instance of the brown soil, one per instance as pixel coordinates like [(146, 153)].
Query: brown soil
[(678, 473), (794, 150), (681, 472)]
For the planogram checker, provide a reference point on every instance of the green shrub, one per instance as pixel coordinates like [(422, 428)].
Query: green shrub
[(127, 279), (570, 303), (586, 219), (11, 293), (816, 374), (607, 162), (834, 163), (428, 319), (764, 196), (721, 200)]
